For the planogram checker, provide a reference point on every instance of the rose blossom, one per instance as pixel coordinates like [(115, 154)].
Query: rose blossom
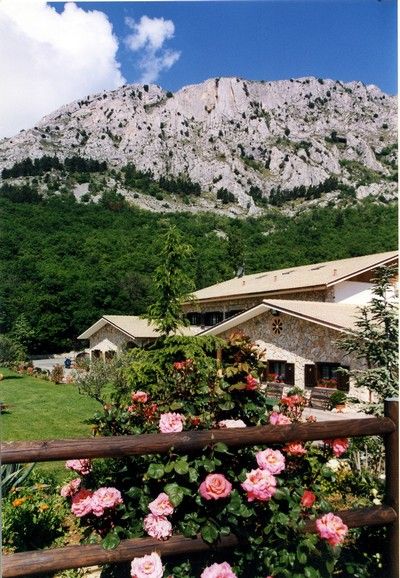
[(259, 485), (339, 446), (215, 486), (251, 382), (71, 488), (271, 460), (277, 418), (295, 449), (139, 396), (161, 506), (105, 498), (149, 566), (83, 466), (231, 423), (332, 529), (223, 570), (157, 526), (82, 503), (307, 499), (293, 400), (171, 422)]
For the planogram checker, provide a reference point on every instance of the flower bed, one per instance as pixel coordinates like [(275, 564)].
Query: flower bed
[(263, 495)]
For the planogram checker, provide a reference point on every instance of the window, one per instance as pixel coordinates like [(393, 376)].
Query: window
[(233, 312), (195, 318), (280, 371), (212, 317), (328, 376)]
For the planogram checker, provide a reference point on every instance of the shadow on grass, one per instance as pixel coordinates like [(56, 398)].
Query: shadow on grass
[(12, 377)]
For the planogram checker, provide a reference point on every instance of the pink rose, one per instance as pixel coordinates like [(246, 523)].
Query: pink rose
[(295, 449), (339, 446), (277, 418), (307, 499), (139, 396), (83, 466), (82, 503), (157, 526), (223, 570), (251, 382), (149, 566), (105, 498), (271, 460), (231, 423), (71, 488), (332, 529), (214, 487), (171, 422), (161, 506), (259, 485)]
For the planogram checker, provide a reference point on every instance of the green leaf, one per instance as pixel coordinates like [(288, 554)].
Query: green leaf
[(226, 405), (209, 533), (155, 471), (176, 405), (193, 475), (111, 541), (310, 572), (221, 448), (169, 467), (175, 493), (181, 467), (301, 555)]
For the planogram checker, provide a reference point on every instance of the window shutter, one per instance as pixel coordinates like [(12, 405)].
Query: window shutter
[(310, 375), (289, 373), (343, 382)]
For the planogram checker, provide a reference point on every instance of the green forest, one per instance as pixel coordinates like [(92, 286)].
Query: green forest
[(65, 264)]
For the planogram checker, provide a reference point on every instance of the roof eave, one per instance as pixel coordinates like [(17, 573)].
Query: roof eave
[(360, 271), (256, 294)]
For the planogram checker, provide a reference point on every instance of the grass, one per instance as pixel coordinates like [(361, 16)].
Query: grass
[(42, 410)]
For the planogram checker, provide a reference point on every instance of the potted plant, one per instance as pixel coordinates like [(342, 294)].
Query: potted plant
[(338, 400)]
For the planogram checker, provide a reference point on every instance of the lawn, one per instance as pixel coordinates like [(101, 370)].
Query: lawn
[(42, 410)]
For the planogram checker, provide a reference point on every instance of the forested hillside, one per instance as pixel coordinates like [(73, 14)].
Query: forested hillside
[(64, 264)]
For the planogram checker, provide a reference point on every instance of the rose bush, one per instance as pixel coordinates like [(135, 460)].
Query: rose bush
[(263, 495)]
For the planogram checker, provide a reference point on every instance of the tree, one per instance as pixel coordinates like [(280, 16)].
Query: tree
[(376, 341), (172, 284), (23, 333)]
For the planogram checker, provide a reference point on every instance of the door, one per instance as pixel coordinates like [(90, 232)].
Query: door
[(310, 375), (289, 374)]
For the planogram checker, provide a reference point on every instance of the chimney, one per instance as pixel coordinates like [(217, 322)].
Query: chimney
[(275, 277), (334, 272)]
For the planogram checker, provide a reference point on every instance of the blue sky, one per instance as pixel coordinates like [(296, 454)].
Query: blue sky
[(345, 40), (52, 53)]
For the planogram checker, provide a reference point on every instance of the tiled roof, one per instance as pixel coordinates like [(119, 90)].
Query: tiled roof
[(133, 326), (320, 275), (338, 316)]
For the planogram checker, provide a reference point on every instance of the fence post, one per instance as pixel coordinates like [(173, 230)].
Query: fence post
[(392, 486)]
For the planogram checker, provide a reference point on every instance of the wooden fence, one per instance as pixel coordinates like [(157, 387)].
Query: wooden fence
[(41, 561)]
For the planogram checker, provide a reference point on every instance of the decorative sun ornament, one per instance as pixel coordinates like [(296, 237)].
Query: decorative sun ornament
[(277, 326)]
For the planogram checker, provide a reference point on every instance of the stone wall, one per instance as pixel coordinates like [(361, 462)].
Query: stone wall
[(300, 342), (109, 338), (248, 302)]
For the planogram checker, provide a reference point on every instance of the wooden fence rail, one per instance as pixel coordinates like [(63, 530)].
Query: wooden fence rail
[(28, 563)]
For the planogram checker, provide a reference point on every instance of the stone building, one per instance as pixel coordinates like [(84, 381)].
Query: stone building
[(115, 333), (295, 315)]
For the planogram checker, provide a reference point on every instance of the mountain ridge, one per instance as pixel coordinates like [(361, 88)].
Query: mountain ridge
[(249, 138)]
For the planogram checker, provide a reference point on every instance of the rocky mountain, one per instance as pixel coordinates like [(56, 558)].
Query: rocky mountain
[(262, 142)]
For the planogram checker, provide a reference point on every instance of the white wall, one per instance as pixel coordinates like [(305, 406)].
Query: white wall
[(353, 292)]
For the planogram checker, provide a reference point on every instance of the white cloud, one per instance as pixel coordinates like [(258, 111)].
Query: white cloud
[(48, 59), (149, 36)]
